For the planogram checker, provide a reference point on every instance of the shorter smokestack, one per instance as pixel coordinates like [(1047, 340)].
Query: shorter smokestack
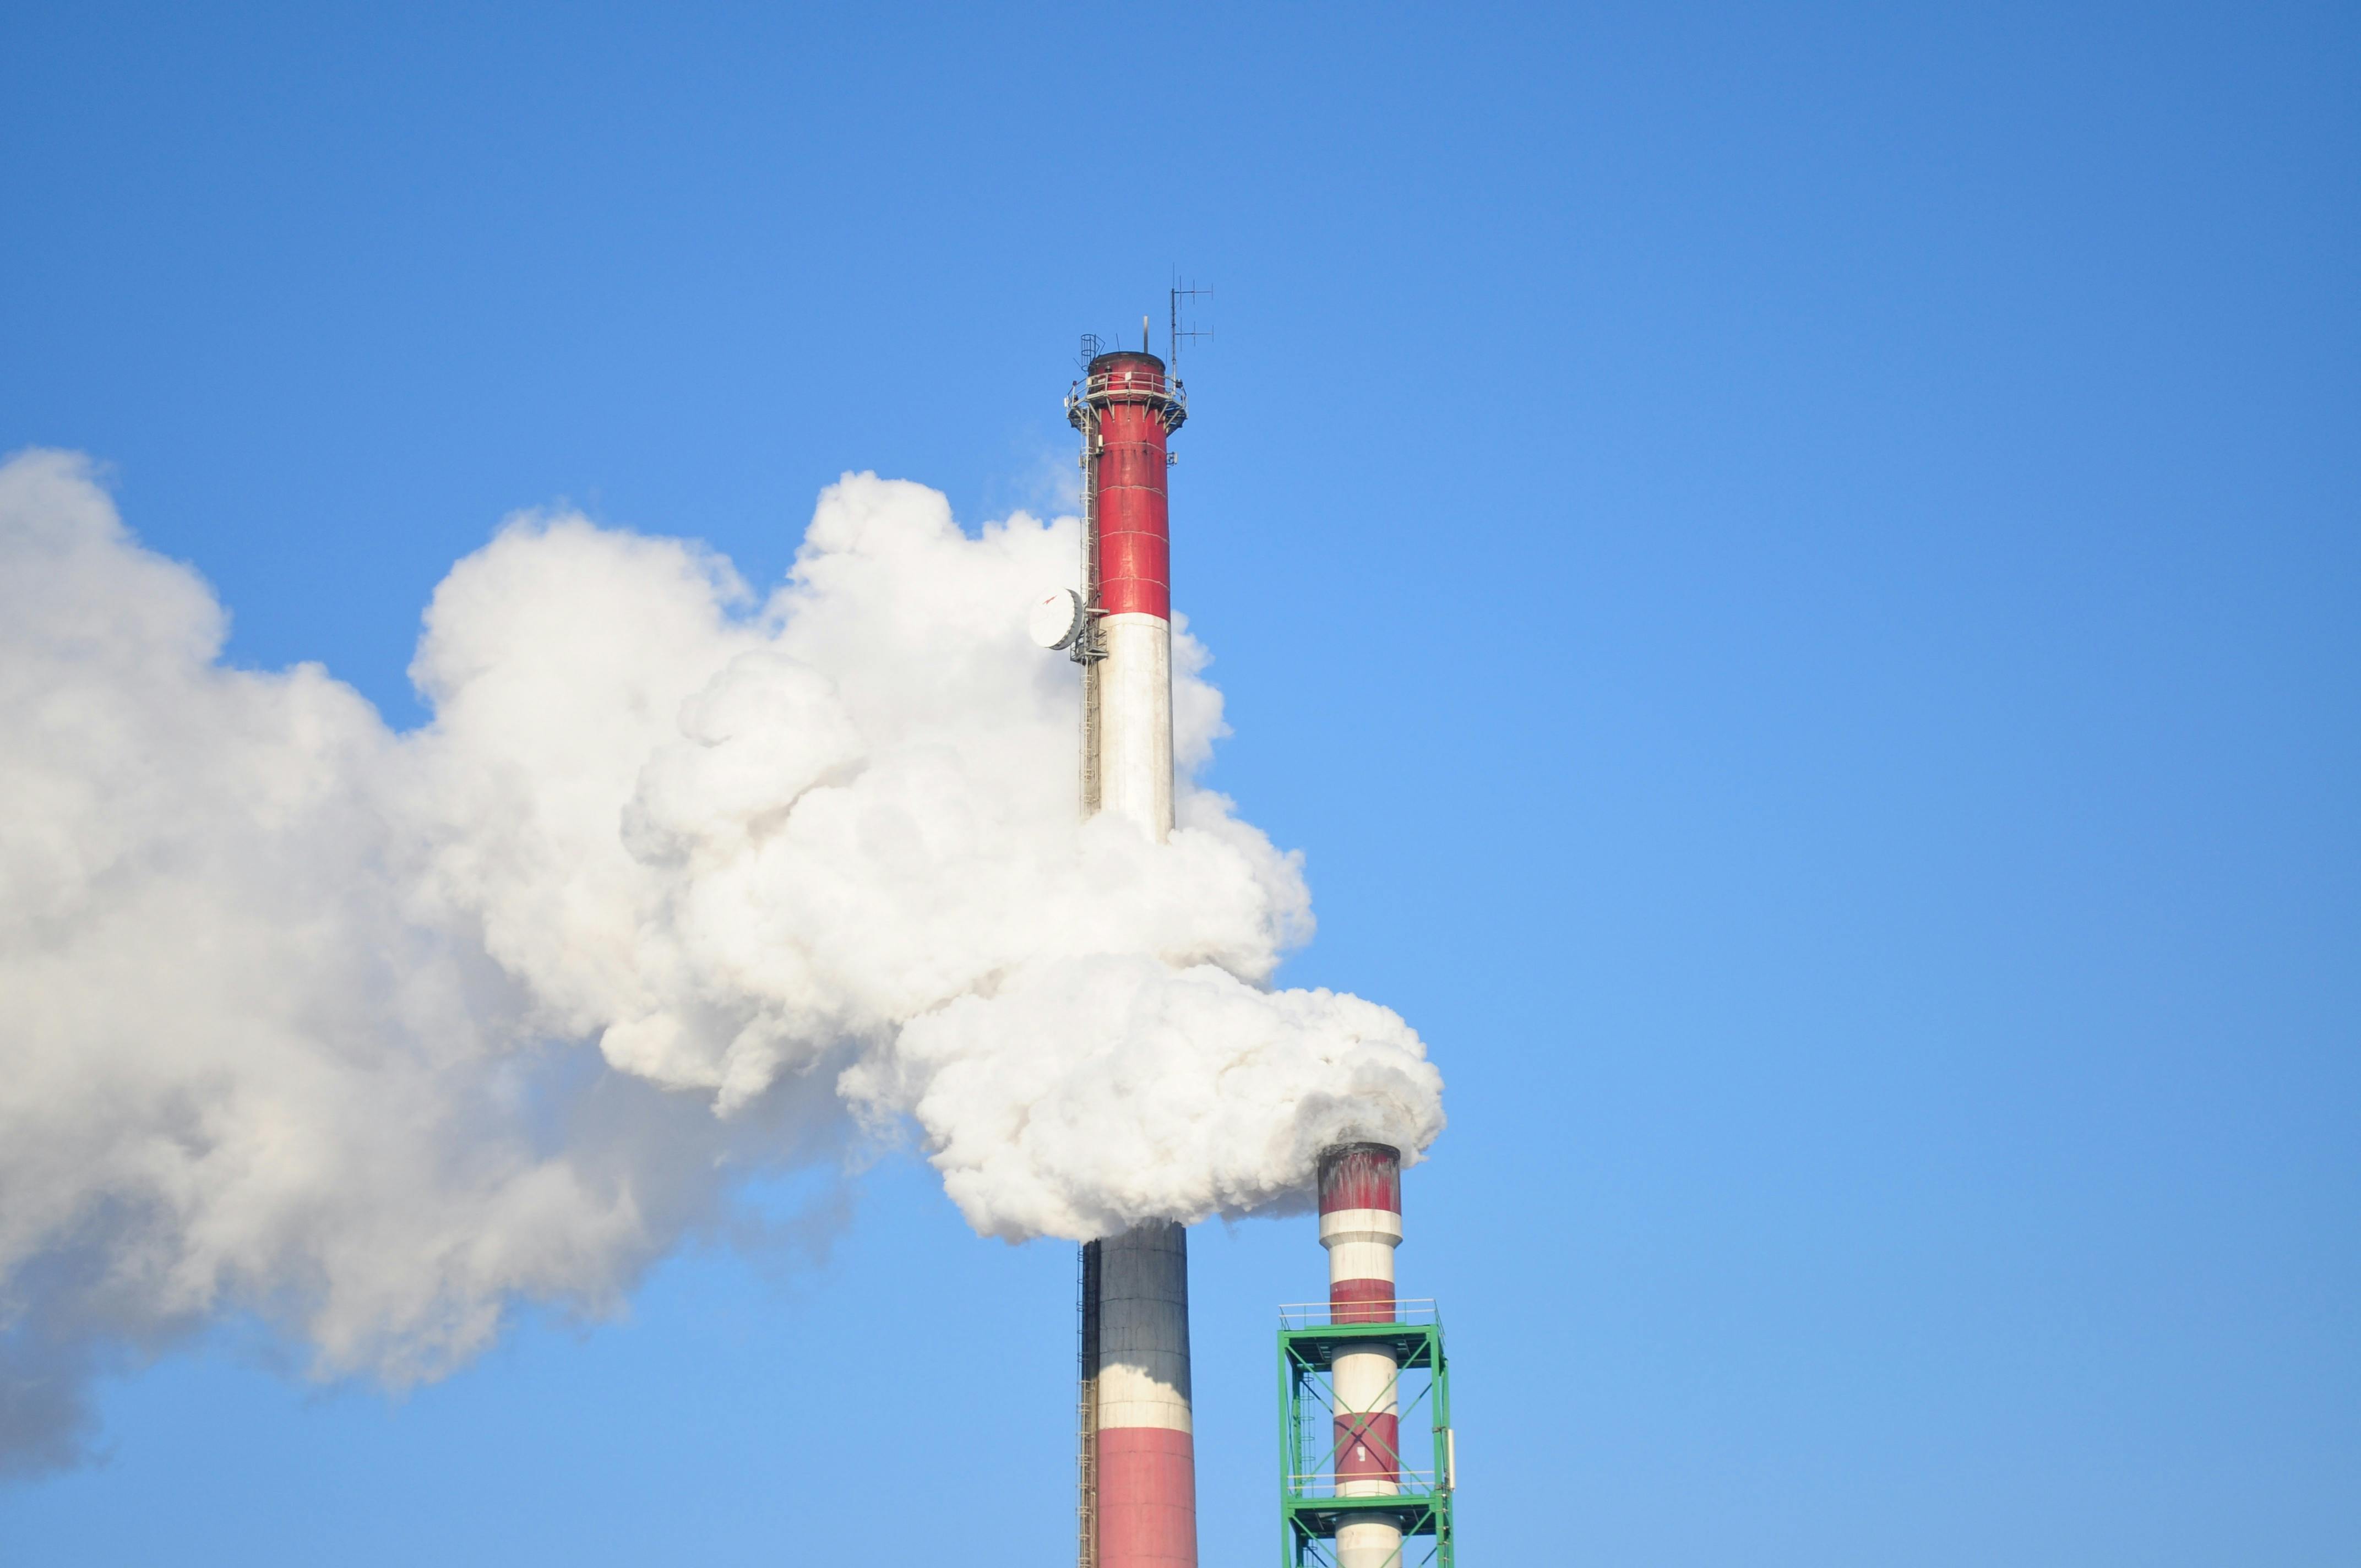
[(1360, 1224)]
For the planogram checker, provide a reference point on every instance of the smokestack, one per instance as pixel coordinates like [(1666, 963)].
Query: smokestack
[(1126, 409), (1360, 1224), (1145, 1461), (1138, 1464)]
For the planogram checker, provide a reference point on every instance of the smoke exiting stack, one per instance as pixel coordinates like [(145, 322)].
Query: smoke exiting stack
[(1138, 1466), (1360, 1224)]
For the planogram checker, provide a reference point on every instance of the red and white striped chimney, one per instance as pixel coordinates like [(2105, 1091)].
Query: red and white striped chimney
[(1360, 1224), (1134, 408), (1139, 1469), (1146, 1454)]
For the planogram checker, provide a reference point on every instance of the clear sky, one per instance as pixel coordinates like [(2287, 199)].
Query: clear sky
[(1794, 574)]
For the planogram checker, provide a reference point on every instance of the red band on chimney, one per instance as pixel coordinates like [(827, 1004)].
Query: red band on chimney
[(1147, 1499), (1360, 1175), (1133, 517), (1369, 1447), (1361, 1300)]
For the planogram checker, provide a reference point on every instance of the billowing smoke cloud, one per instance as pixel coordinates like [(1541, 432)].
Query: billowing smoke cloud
[(373, 1035)]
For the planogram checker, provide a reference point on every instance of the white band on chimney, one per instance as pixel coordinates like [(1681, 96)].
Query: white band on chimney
[(1360, 1225), (1136, 720)]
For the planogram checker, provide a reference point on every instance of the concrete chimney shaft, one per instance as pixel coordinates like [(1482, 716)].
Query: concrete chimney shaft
[(1139, 1489), (1360, 1224)]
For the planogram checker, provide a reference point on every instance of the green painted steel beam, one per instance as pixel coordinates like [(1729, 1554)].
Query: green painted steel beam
[(1305, 1356)]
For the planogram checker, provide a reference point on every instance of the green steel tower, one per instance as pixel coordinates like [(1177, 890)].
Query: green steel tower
[(1310, 1473), (1353, 1371)]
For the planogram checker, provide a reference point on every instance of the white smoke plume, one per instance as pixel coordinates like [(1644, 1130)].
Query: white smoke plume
[(372, 1034)]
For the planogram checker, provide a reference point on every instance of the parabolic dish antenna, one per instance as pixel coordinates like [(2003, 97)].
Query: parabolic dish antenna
[(1056, 618)]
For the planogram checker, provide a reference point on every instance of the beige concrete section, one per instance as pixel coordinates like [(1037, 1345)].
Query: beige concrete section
[(1361, 1243), (1135, 722), (1360, 1225), (1367, 1543), (1144, 1328), (1361, 1260)]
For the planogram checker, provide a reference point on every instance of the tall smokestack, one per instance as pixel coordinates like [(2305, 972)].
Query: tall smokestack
[(1126, 409), (1146, 1469), (1360, 1224), (1139, 1470)]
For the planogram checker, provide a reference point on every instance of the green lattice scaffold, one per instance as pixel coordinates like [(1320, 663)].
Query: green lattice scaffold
[(1310, 1510)]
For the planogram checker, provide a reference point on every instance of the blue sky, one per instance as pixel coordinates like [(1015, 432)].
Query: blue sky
[(1792, 573)]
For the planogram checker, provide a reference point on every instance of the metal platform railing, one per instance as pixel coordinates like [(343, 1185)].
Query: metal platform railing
[(1412, 1310), (1324, 1484), (1170, 399)]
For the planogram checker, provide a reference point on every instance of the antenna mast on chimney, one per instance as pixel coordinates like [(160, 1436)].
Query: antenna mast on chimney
[(1180, 331)]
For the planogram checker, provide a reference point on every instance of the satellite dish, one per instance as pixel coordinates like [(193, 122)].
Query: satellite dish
[(1056, 618)]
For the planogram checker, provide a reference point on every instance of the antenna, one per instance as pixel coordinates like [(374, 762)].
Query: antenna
[(1182, 294)]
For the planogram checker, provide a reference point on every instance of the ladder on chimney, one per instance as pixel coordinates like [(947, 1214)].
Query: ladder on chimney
[(1086, 1412)]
